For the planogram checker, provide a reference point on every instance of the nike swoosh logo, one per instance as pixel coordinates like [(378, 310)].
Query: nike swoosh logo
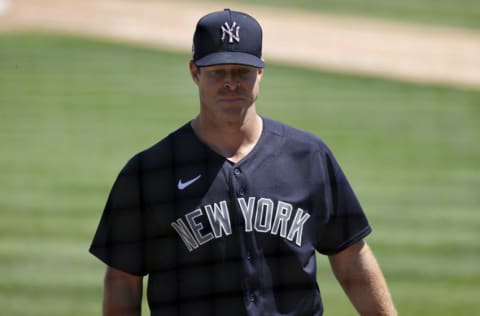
[(182, 185)]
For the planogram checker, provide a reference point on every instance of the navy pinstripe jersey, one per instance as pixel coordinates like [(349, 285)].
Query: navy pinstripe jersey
[(222, 238)]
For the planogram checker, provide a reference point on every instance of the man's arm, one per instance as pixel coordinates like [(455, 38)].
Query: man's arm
[(359, 274), (122, 293)]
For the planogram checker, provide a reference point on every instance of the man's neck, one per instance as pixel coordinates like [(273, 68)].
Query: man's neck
[(231, 139)]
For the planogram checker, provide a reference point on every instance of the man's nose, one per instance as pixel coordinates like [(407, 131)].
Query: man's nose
[(231, 80)]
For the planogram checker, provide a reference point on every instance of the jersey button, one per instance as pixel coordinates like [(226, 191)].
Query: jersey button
[(237, 171), (252, 298)]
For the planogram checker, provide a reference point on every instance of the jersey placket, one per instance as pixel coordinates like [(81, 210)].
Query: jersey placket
[(238, 187)]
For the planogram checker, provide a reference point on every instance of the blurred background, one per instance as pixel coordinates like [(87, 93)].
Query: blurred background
[(85, 85)]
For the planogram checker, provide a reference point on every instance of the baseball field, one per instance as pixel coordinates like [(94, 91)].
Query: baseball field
[(74, 109)]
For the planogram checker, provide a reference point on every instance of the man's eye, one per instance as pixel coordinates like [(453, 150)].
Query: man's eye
[(244, 73), (236, 73)]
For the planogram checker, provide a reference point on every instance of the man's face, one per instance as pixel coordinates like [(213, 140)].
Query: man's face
[(227, 89)]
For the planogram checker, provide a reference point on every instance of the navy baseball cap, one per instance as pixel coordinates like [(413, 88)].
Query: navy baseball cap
[(228, 37)]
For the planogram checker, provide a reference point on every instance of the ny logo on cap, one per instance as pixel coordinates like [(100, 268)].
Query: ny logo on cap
[(226, 29)]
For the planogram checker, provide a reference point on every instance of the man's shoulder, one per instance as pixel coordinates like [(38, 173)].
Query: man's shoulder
[(183, 136), (179, 143), (293, 135)]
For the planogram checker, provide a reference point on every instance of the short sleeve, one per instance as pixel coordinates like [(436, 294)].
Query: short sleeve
[(345, 222), (118, 239)]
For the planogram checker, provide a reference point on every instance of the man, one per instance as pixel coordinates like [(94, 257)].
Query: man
[(225, 214)]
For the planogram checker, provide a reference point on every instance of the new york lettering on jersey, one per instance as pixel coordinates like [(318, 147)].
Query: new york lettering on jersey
[(262, 215)]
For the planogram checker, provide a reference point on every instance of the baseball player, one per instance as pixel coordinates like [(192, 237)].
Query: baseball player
[(226, 213)]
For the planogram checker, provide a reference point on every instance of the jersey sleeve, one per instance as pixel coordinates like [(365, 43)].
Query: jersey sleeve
[(118, 239), (345, 222)]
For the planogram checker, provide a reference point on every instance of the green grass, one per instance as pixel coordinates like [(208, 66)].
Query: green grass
[(72, 111), (462, 13)]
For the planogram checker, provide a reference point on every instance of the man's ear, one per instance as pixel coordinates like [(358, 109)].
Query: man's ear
[(194, 71), (260, 72)]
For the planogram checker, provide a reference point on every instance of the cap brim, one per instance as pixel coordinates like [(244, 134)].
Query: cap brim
[(234, 58)]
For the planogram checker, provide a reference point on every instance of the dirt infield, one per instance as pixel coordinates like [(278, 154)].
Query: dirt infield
[(344, 44)]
